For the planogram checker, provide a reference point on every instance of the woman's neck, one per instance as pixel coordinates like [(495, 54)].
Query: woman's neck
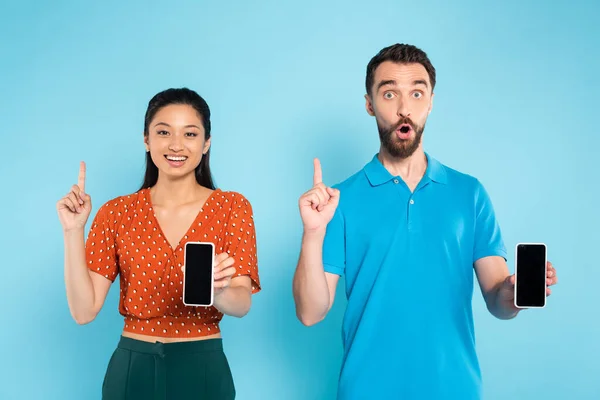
[(172, 192)]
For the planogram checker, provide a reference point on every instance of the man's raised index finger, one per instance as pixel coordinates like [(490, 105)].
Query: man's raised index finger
[(318, 175)]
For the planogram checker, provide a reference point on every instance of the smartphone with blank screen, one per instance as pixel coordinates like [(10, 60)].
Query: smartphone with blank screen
[(530, 275), (198, 278)]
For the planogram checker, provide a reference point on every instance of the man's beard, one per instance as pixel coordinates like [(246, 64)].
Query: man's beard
[(400, 148)]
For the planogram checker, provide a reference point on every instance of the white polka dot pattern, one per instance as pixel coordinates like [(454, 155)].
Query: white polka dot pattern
[(125, 239)]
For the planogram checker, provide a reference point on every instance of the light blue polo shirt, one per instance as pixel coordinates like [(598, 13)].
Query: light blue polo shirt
[(408, 263)]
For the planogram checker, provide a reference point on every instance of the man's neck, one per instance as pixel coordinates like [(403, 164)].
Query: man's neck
[(410, 169)]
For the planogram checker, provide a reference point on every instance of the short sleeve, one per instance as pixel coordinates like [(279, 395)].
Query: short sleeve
[(488, 237), (241, 242), (101, 254), (334, 245)]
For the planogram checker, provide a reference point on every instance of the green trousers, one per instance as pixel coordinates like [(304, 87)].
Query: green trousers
[(195, 370)]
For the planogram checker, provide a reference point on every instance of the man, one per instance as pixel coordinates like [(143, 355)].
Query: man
[(406, 231)]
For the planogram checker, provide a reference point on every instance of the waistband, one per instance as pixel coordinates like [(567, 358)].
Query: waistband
[(171, 326), (162, 349)]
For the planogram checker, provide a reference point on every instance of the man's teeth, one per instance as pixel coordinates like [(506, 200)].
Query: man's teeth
[(176, 158)]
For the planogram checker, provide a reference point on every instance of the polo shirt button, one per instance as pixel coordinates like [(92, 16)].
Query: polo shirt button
[(412, 201), (396, 181)]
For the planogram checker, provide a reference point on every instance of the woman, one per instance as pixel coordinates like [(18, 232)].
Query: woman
[(167, 349)]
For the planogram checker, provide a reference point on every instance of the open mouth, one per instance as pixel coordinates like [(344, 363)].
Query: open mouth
[(176, 161), (405, 128), (176, 158)]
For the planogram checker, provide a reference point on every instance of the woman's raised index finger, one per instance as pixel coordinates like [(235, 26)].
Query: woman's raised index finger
[(81, 179)]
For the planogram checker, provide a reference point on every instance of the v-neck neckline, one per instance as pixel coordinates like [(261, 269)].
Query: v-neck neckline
[(187, 232)]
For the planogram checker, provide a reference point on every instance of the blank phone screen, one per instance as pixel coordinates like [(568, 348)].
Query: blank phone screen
[(198, 278), (531, 275)]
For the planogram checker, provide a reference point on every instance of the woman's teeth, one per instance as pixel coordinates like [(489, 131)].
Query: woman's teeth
[(171, 158)]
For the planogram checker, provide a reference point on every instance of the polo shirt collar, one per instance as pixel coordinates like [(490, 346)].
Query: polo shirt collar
[(378, 175)]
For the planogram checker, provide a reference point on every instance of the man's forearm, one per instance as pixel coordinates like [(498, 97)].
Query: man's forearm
[(311, 293)]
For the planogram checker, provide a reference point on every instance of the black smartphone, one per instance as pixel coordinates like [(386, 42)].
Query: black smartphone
[(198, 277), (530, 274)]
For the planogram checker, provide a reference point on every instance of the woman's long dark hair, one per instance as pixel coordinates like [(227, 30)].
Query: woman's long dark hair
[(190, 98)]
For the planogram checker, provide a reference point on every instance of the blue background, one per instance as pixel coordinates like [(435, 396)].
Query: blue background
[(515, 106)]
